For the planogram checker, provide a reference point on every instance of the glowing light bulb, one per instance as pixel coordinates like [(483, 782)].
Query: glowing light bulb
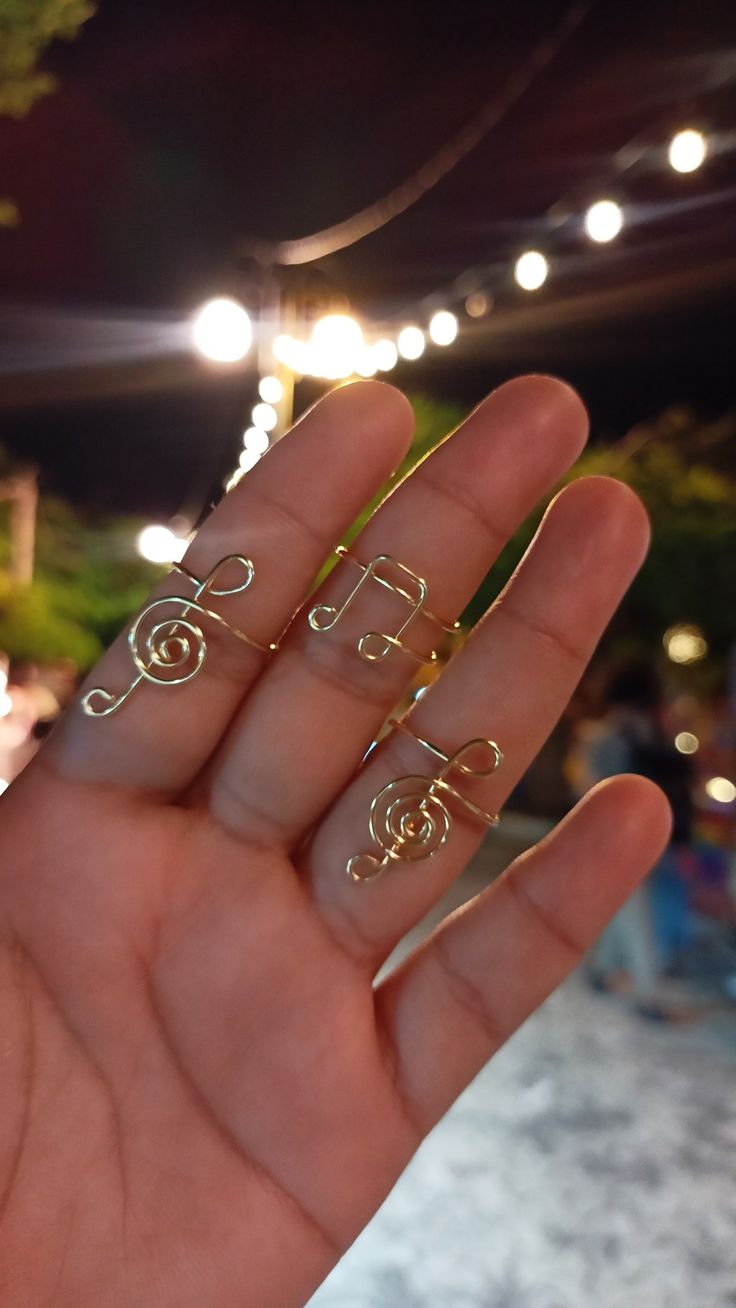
[(270, 390), (256, 439), (248, 458), (159, 544), (687, 150), (265, 416), (221, 330), (443, 327), (336, 346), (685, 643), (686, 742), (386, 355), (367, 365), (604, 220), (721, 790), (283, 348), (531, 270), (410, 342)]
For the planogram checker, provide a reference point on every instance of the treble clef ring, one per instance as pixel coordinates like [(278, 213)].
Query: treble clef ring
[(410, 819), (169, 648)]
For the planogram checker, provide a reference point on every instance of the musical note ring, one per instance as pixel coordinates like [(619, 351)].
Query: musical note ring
[(410, 819), (375, 646), (167, 640)]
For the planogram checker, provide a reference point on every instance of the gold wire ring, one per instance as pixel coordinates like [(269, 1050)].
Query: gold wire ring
[(375, 646), (174, 649), (409, 817)]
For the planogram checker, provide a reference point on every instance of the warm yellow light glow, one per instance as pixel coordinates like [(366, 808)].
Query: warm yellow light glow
[(367, 365), (686, 742), (159, 544), (336, 346), (248, 458), (604, 220), (443, 327), (685, 643), (531, 270), (283, 348), (265, 416), (270, 389), (410, 342), (256, 439), (386, 355), (687, 150), (221, 330), (478, 304), (721, 790)]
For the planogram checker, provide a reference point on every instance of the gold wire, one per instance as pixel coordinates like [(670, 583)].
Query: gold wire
[(409, 818), (374, 646), (177, 641)]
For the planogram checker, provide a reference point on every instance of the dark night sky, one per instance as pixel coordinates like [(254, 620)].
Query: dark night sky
[(182, 127)]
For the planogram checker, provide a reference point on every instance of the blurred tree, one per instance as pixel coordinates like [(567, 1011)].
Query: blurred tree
[(88, 580), (26, 28), (680, 468)]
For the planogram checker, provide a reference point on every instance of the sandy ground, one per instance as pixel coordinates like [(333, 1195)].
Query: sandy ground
[(593, 1162)]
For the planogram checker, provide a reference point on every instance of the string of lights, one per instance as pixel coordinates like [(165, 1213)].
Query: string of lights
[(339, 347)]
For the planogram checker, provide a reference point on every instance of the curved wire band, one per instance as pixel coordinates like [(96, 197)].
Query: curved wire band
[(271, 648)]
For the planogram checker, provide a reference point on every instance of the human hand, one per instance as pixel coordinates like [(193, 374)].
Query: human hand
[(203, 1097)]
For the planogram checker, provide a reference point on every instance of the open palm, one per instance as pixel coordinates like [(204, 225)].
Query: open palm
[(204, 1096)]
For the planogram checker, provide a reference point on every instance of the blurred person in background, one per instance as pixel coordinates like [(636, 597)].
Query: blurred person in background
[(650, 932)]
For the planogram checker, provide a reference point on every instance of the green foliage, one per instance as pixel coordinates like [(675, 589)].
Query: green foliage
[(26, 28), (88, 580), (690, 572)]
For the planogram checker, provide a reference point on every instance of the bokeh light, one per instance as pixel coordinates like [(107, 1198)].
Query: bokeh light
[(687, 150), (159, 544), (685, 643), (530, 270), (686, 742), (604, 220), (222, 331), (270, 390), (337, 345), (264, 416), (256, 438), (248, 458), (443, 327), (386, 355), (478, 304), (721, 790), (410, 342)]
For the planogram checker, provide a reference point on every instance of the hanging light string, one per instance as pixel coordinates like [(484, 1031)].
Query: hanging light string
[(351, 230)]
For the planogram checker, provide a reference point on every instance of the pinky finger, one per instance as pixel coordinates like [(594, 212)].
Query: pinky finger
[(450, 1006)]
